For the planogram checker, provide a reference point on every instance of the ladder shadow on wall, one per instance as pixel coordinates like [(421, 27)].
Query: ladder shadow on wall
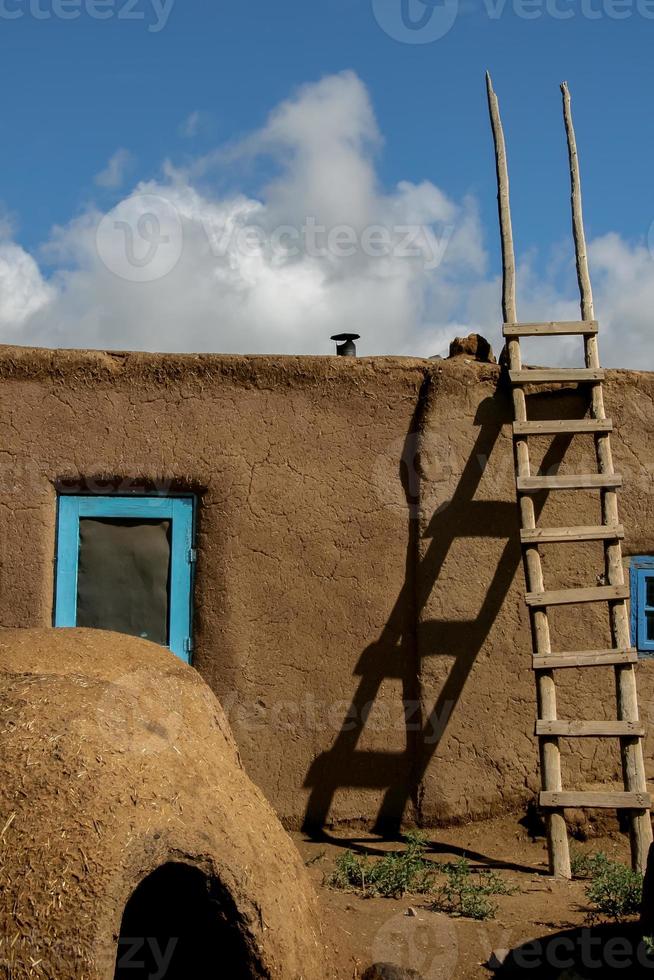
[(407, 639)]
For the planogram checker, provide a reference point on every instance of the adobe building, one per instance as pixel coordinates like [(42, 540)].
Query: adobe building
[(333, 544)]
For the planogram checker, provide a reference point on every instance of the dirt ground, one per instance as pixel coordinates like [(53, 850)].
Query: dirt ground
[(552, 913)]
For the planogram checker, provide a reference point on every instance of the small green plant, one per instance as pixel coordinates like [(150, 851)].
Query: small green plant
[(463, 893), (588, 865), (613, 890), (350, 872), (649, 945), (467, 894), (391, 876), (616, 892)]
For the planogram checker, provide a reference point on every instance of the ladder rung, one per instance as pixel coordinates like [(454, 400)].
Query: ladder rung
[(555, 328), (590, 729), (555, 427), (565, 597), (551, 535), (615, 801), (584, 658), (581, 481), (555, 375)]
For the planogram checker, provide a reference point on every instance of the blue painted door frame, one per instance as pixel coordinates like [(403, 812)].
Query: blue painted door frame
[(178, 510), (641, 569)]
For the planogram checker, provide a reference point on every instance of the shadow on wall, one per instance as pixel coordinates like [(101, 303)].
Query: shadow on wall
[(179, 923), (406, 639)]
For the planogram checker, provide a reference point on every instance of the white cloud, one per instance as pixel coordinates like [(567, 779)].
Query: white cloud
[(23, 291), (625, 301), (622, 275), (191, 125), (176, 266), (113, 175)]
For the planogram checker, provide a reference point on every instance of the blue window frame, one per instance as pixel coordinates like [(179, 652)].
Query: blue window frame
[(176, 510), (641, 575)]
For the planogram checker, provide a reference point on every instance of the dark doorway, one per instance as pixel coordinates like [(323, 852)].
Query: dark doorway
[(178, 924), (123, 576)]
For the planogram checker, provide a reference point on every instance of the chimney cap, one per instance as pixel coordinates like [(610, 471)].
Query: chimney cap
[(345, 346)]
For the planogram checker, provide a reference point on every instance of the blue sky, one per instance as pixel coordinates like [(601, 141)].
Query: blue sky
[(176, 85)]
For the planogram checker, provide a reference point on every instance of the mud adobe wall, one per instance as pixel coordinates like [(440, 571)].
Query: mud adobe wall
[(358, 554)]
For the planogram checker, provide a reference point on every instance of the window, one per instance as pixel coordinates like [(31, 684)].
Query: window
[(125, 564), (642, 603)]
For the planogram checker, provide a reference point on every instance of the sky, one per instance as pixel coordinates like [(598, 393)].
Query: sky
[(252, 177)]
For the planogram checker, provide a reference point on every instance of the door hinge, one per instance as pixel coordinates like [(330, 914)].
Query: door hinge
[(188, 645), (192, 556)]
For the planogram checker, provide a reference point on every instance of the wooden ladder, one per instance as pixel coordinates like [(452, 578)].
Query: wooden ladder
[(549, 729)]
